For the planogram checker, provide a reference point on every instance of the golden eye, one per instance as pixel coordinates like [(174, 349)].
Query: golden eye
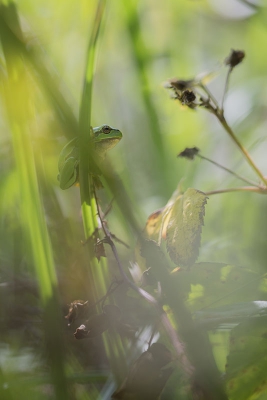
[(106, 129)]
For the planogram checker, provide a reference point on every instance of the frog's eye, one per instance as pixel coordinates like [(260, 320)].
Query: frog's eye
[(106, 129)]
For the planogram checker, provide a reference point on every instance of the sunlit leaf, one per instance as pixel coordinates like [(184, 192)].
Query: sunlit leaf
[(153, 224), (185, 226), (157, 222)]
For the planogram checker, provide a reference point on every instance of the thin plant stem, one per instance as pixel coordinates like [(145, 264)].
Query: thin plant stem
[(226, 88), (249, 4), (246, 154), (108, 240), (220, 115), (110, 290), (239, 189), (109, 207), (103, 215), (114, 237), (209, 94), (228, 170)]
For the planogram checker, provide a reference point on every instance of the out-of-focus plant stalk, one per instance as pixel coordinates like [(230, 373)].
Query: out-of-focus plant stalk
[(19, 105), (140, 56)]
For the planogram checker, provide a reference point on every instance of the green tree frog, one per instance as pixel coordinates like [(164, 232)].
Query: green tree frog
[(103, 138)]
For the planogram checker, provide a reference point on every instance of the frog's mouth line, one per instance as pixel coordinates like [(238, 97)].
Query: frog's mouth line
[(106, 144)]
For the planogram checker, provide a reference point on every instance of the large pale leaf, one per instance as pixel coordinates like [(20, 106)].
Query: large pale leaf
[(247, 361), (186, 217)]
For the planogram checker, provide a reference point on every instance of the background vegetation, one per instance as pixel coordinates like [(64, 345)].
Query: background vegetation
[(43, 264)]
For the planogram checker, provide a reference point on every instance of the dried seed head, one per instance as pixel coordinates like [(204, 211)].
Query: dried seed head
[(188, 97), (189, 152), (235, 58)]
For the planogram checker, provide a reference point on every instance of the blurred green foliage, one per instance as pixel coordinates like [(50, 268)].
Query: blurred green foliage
[(142, 43)]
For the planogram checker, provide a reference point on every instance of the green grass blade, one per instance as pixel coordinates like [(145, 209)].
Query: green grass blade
[(86, 189), (140, 56), (19, 104), (99, 271)]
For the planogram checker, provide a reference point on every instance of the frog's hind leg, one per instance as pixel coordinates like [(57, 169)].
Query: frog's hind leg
[(69, 174)]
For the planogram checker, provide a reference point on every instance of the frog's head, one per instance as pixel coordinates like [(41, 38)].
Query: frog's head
[(105, 138)]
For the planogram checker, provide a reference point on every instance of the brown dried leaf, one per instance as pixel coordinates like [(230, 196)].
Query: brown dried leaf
[(81, 332), (77, 309), (99, 249), (95, 326), (153, 224)]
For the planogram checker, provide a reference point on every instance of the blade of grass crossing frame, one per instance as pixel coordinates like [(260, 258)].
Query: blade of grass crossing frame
[(86, 190), (88, 205), (99, 271), (19, 106)]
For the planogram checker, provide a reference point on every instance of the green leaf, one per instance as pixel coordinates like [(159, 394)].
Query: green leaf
[(247, 361), (185, 226), (224, 317), (218, 284)]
